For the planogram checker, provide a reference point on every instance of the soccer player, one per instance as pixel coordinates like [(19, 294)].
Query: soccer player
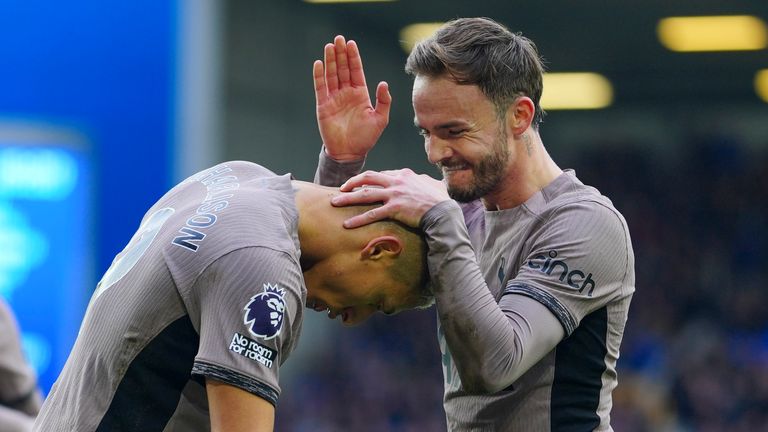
[(532, 270), (20, 398), (187, 328)]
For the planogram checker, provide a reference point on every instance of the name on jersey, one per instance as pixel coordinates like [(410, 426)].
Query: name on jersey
[(548, 264), (219, 187), (251, 349)]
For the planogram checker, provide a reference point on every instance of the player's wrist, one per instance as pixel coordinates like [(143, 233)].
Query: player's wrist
[(343, 157)]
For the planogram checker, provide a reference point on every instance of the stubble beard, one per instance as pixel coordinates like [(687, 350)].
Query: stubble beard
[(487, 174)]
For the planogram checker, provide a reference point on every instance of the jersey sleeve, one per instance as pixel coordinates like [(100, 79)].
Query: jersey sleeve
[(334, 173), (249, 303), (578, 262), (490, 345)]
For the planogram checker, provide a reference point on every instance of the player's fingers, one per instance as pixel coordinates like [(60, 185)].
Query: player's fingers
[(398, 172), (367, 178), (331, 77), (363, 195), (383, 100), (366, 218), (342, 63), (356, 74), (321, 91)]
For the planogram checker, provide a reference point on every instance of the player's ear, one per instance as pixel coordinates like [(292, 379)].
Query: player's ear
[(520, 115), (382, 247)]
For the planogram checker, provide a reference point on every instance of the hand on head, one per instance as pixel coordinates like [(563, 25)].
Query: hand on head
[(406, 196), (349, 124)]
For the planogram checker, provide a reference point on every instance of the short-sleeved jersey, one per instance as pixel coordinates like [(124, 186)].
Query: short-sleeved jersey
[(568, 248), (209, 287)]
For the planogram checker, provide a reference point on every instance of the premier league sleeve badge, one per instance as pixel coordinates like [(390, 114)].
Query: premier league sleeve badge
[(264, 313)]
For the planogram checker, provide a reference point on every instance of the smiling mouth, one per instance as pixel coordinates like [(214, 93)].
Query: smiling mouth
[(320, 306), (344, 313), (453, 167)]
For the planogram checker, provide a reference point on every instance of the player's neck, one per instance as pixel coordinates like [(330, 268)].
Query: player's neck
[(320, 224), (531, 170)]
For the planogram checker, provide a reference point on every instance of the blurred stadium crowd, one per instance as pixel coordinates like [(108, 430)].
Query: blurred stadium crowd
[(695, 353)]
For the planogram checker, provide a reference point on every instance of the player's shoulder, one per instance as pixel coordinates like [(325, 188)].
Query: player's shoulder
[(580, 228), (220, 179), (260, 258), (258, 263), (235, 171), (265, 254), (579, 215), (569, 198), (239, 166)]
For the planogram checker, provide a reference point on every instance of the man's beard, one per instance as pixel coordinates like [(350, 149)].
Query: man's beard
[(487, 174)]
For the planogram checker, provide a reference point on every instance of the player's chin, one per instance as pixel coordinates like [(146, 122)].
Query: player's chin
[(351, 317), (458, 176), (463, 188)]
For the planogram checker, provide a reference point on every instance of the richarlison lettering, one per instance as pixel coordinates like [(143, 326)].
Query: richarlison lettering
[(251, 349), (219, 189), (574, 278)]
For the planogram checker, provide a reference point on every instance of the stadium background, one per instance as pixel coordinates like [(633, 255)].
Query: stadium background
[(105, 105)]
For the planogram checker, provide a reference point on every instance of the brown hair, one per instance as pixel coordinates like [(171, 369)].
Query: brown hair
[(482, 52)]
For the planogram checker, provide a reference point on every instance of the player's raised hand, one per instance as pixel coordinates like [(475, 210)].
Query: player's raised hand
[(405, 194), (349, 124)]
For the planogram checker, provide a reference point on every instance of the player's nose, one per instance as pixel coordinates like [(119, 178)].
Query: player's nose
[(437, 149)]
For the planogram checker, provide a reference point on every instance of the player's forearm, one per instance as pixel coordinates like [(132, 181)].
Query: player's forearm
[(486, 345), (235, 410), (333, 173)]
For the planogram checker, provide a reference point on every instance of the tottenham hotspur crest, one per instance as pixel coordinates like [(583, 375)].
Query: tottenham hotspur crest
[(264, 314)]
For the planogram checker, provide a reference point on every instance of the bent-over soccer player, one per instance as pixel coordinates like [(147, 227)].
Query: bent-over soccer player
[(188, 327)]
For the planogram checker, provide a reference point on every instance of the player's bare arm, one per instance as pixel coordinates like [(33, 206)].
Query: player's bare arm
[(236, 410), (349, 124)]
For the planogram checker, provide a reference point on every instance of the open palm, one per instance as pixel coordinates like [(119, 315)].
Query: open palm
[(349, 124)]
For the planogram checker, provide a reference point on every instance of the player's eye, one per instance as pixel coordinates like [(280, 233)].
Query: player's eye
[(423, 132), (456, 132)]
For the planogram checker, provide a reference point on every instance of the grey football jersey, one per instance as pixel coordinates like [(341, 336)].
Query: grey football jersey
[(567, 248), (210, 286), (508, 285)]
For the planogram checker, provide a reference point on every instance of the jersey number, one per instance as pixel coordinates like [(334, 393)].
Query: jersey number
[(138, 245)]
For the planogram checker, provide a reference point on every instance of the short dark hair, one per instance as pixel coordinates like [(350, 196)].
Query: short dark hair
[(412, 269), (482, 52)]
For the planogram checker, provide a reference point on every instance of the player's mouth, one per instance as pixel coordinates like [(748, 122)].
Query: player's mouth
[(317, 305), (449, 168), (453, 168), (346, 314)]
